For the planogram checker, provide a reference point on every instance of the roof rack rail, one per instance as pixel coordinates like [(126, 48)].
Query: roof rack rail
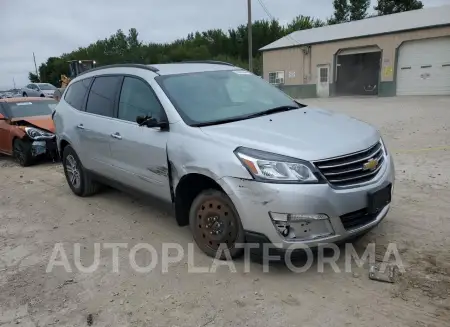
[(205, 62), (141, 66)]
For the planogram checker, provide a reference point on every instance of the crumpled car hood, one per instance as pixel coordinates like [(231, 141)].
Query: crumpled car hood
[(43, 122)]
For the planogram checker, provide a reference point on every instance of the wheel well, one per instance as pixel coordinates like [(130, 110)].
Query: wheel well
[(12, 144), (187, 190), (62, 145), (25, 138), (42, 96)]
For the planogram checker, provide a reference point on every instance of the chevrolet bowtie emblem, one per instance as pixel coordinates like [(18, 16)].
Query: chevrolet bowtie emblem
[(372, 164)]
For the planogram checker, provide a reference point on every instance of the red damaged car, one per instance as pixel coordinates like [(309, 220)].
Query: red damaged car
[(27, 129)]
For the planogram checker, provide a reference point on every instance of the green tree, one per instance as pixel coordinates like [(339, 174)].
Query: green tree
[(33, 78), (303, 23), (214, 44), (358, 9), (341, 12), (387, 7)]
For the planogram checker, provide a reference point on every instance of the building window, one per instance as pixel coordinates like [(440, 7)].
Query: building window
[(324, 75), (276, 77)]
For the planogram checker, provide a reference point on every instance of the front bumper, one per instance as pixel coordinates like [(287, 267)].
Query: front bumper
[(42, 147), (254, 201)]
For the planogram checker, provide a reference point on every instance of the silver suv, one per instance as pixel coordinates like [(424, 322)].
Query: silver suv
[(239, 159)]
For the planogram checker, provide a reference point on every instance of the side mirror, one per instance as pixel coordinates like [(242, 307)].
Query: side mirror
[(141, 120), (150, 122)]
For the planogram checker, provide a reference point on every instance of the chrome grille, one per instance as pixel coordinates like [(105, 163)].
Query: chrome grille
[(349, 169)]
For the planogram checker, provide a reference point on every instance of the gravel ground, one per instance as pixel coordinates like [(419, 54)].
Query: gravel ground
[(38, 210)]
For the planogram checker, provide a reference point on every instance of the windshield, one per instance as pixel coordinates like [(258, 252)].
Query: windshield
[(210, 97), (46, 87), (32, 108)]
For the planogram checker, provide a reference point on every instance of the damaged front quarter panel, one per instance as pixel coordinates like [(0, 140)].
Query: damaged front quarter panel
[(39, 145), (250, 190)]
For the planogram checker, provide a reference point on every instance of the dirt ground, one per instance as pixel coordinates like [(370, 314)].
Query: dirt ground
[(38, 210)]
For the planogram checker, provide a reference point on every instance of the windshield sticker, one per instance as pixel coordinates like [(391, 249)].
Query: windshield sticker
[(241, 72), (23, 103)]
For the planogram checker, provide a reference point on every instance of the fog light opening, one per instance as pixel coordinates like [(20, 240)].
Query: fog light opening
[(302, 226)]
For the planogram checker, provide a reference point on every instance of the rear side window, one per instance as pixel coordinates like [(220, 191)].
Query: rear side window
[(76, 93), (102, 95)]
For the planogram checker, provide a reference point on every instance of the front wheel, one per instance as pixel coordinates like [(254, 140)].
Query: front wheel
[(79, 180), (24, 95), (214, 221), (22, 152)]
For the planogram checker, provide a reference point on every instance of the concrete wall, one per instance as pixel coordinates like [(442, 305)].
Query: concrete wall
[(292, 59)]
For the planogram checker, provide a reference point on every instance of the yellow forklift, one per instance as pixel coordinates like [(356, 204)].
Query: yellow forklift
[(76, 67)]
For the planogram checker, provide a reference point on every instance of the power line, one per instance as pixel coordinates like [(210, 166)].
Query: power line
[(273, 18), (266, 10)]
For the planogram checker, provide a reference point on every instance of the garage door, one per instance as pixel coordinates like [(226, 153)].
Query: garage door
[(424, 67)]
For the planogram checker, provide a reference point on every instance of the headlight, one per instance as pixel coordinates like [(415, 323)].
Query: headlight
[(269, 167), (38, 134)]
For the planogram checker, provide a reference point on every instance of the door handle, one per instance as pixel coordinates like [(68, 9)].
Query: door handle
[(80, 126), (116, 136)]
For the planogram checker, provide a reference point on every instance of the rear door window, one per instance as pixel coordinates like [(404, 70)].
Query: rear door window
[(76, 93), (102, 96)]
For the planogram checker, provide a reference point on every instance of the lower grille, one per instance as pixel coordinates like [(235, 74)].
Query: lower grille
[(357, 219), (353, 169)]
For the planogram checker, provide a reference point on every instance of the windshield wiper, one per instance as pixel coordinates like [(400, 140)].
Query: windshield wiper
[(218, 122), (276, 110), (254, 115)]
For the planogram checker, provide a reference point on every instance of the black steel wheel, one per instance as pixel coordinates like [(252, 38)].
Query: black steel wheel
[(214, 222), (22, 152)]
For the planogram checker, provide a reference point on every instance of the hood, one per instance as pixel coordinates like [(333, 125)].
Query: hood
[(43, 122), (306, 133)]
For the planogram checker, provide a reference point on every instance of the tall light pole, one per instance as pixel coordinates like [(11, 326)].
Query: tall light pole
[(249, 32), (35, 66)]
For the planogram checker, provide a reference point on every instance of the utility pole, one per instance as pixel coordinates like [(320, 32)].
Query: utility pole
[(35, 67), (249, 32), (14, 82)]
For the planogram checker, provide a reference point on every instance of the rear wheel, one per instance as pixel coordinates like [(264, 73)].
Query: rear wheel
[(79, 180), (22, 152), (214, 221)]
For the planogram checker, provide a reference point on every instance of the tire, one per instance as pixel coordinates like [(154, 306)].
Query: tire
[(82, 185), (22, 152), (208, 232), (24, 95), (42, 96)]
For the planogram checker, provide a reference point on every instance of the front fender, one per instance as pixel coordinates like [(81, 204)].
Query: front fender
[(197, 154)]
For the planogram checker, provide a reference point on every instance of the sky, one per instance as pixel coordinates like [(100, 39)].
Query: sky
[(51, 27)]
